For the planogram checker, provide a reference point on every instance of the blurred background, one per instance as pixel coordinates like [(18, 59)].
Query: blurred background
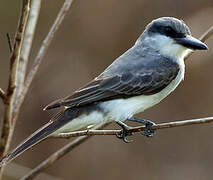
[(92, 35)]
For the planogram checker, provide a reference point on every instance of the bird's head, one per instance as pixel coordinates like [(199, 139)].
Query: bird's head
[(172, 37)]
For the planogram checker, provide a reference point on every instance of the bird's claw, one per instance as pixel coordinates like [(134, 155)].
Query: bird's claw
[(123, 136), (124, 132), (148, 132)]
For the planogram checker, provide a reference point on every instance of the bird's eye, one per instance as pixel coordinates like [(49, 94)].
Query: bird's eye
[(169, 32), (168, 29)]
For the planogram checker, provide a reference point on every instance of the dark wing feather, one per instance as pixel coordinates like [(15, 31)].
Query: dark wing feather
[(146, 81)]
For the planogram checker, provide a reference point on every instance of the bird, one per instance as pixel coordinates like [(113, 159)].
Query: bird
[(138, 79)]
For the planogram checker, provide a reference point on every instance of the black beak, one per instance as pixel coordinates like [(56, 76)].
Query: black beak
[(191, 43)]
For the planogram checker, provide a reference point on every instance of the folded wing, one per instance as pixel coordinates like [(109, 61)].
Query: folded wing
[(121, 85)]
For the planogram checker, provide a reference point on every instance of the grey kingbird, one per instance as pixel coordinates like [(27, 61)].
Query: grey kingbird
[(138, 79)]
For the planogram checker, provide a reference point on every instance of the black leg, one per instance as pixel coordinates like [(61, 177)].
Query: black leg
[(124, 132), (148, 132)]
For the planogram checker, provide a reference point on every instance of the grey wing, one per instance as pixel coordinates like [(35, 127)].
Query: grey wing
[(146, 81)]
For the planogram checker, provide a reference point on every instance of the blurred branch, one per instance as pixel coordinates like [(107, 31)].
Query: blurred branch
[(9, 42), (13, 86), (63, 151), (207, 34), (45, 45), (57, 155), (15, 171), (17, 88), (28, 39), (2, 95), (136, 129), (43, 49)]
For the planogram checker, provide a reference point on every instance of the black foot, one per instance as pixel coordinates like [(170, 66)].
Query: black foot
[(124, 132), (148, 132)]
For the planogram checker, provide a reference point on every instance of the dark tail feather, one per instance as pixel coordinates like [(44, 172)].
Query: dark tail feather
[(58, 121)]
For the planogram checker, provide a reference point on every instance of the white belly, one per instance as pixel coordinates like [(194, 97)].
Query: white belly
[(83, 121)]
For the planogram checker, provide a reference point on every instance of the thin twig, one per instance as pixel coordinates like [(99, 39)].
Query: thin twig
[(28, 39), (9, 42), (14, 59), (14, 104), (13, 108), (16, 171), (8, 115), (207, 34), (57, 155), (42, 51), (67, 4), (13, 86), (136, 129), (3, 95), (63, 151)]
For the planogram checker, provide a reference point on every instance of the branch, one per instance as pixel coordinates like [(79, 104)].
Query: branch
[(207, 34), (16, 89), (3, 95), (63, 151), (12, 110), (136, 129), (67, 4), (57, 155), (15, 171), (13, 86), (13, 76), (15, 57), (28, 39), (45, 44), (9, 42)]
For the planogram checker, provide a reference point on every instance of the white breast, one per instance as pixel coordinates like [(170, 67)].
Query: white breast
[(121, 109)]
